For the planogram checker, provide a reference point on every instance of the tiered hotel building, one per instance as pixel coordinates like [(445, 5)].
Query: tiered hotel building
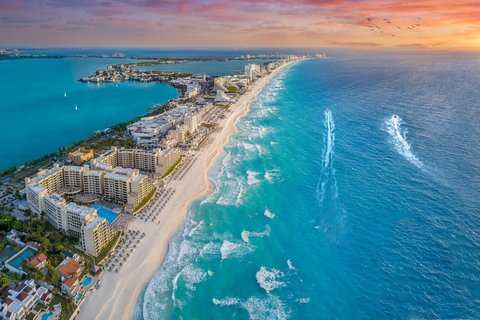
[(115, 176)]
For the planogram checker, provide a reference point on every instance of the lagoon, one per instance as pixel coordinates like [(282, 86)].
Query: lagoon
[(214, 68), (37, 118)]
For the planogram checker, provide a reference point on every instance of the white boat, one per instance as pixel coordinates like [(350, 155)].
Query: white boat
[(65, 94), (76, 108), (116, 85)]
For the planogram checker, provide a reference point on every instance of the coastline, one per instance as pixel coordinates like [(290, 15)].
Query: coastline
[(117, 294)]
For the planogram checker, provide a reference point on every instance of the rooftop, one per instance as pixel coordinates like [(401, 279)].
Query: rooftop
[(70, 268)]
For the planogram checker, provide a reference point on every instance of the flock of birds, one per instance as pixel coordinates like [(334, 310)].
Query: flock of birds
[(374, 28)]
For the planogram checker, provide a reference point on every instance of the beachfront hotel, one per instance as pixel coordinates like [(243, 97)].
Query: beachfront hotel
[(127, 185), (93, 231), (155, 161)]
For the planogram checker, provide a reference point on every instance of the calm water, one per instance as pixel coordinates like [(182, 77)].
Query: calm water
[(217, 68), (36, 117), (349, 214)]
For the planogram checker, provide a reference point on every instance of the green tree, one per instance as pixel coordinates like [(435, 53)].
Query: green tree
[(4, 281), (54, 276), (47, 246)]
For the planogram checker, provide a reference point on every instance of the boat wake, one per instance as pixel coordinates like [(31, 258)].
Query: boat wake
[(327, 185), (331, 215), (399, 138)]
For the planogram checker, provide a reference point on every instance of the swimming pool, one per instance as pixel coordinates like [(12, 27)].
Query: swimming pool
[(45, 316), (79, 297), (87, 281), (106, 213), (17, 263)]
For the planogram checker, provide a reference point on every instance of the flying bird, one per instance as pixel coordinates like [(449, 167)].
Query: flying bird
[(372, 29), (419, 18), (369, 19), (399, 27), (381, 31), (417, 25), (393, 35), (378, 27)]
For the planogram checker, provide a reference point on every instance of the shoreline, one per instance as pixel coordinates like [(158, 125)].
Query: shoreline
[(123, 288)]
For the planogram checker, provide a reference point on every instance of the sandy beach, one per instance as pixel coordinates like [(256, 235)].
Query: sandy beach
[(118, 292)]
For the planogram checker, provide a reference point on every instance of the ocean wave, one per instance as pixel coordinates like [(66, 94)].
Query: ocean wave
[(258, 308), (273, 175), (233, 250), (268, 280), (252, 177), (211, 249), (227, 302), (232, 193), (247, 234), (192, 275)]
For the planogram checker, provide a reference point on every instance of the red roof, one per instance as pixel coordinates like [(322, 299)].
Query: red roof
[(39, 258), (69, 268), (8, 301), (70, 281), (22, 296), (20, 287), (46, 296)]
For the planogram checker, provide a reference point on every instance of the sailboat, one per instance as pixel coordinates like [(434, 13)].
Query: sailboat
[(76, 108), (116, 85), (65, 94)]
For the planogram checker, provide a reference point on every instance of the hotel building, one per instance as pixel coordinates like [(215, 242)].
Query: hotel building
[(146, 160)]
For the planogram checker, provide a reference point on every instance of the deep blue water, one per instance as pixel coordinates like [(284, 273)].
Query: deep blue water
[(36, 117), (349, 214)]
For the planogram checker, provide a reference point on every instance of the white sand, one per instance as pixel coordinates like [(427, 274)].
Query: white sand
[(118, 292)]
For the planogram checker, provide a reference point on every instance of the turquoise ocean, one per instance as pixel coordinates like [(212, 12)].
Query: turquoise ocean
[(347, 214)]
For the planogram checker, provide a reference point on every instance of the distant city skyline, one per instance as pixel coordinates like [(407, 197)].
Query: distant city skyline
[(241, 24)]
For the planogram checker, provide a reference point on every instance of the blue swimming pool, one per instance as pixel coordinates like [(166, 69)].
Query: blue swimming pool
[(106, 213), (79, 297), (87, 281), (17, 263), (45, 316)]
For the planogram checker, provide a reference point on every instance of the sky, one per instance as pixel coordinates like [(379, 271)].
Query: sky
[(451, 25)]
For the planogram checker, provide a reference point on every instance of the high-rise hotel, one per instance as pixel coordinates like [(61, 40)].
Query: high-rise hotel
[(115, 176)]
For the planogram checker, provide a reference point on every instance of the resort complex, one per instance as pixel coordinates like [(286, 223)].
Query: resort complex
[(107, 203)]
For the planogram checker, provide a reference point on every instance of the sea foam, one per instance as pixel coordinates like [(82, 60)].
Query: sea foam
[(268, 279), (268, 214), (247, 234)]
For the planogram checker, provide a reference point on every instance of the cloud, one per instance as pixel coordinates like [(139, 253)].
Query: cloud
[(356, 44), (238, 23)]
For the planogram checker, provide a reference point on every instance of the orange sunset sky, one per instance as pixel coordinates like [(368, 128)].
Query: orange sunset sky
[(452, 25)]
